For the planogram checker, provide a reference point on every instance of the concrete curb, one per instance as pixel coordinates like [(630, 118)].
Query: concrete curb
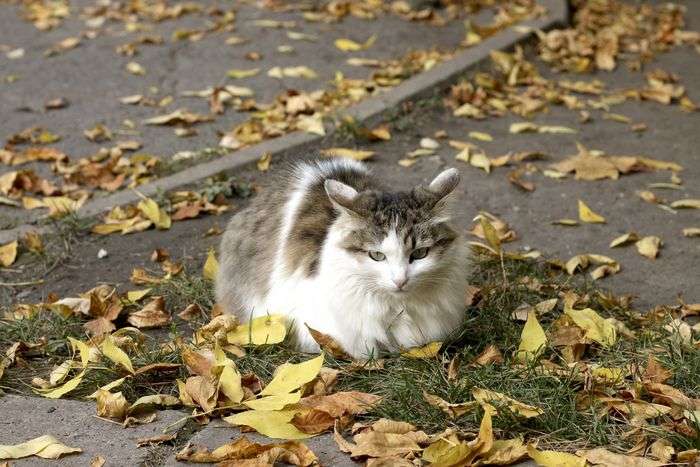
[(413, 88)]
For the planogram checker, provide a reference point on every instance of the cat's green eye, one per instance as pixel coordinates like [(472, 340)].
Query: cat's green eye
[(377, 255), (419, 253)]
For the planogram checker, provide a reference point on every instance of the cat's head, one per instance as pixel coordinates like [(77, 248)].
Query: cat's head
[(395, 242)]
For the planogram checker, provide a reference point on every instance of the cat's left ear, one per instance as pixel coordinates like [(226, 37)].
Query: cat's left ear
[(340, 194)]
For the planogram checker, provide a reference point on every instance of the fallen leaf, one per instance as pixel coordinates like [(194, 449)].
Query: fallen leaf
[(289, 376), (153, 212), (111, 405), (596, 328), (585, 214), (117, 355), (211, 266), (271, 423), (504, 452), (649, 246), (453, 410), (488, 356), (328, 344), (155, 440), (486, 398), (313, 422), (264, 330), (239, 74), (341, 403), (532, 340), (8, 253), (691, 232), (355, 154), (554, 458), (603, 457), (686, 204), (624, 239), (45, 446), (152, 315), (427, 351), (348, 45)]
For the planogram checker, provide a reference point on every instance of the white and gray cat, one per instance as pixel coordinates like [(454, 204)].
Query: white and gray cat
[(328, 247)]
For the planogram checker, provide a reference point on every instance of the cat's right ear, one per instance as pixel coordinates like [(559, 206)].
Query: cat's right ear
[(340, 194)]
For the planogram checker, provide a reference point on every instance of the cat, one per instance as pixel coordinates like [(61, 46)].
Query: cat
[(331, 249)]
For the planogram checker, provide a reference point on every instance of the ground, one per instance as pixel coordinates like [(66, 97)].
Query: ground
[(74, 260)]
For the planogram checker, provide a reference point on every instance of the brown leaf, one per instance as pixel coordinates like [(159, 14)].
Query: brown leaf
[(314, 421), (328, 344), (341, 403), (489, 355), (155, 440), (655, 372), (153, 315), (453, 410)]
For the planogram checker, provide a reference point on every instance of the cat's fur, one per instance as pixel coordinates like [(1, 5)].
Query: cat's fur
[(301, 249)]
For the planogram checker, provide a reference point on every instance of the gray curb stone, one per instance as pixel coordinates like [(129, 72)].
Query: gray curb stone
[(418, 86)]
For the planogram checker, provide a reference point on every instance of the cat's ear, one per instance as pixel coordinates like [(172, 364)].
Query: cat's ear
[(340, 194), (444, 183)]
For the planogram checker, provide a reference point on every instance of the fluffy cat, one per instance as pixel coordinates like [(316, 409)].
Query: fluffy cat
[(328, 247)]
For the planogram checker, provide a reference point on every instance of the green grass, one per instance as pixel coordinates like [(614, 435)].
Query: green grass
[(403, 380)]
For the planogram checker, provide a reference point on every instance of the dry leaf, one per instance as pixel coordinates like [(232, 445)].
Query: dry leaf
[(554, 458), (211, 266), (453, 410), (585, 214), (153, 315), (649, 246), (8, 253), (45, 446), (260, 331), (532, 340), (355, 154)]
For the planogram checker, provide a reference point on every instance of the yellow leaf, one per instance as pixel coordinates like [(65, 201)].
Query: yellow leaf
[(348, 45), (427, 351), (272, 423), (453, 410), (108, 387), (504, 452), (355, 154), (147, 403), (623, 239), (566, 222), (45, 446), (532, 340), (596, 328), (480, 136), (490, 234), (111, 405), (447, 452), (211, 266), (270, 329), (117, 355), (485, 397), (158, 216), (555, 129), (555, 459), (604, 458), (274, 402), (586, 215), (480, 161), (238, 74), (311, 124), (264, 162), (649, 246), (522, 127), (67, 387), (686, 204), (8, 253), (230, 383), (134, 296), (290, 376), (59, 373)]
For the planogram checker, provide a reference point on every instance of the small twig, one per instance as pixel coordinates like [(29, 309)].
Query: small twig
[(503, 269), (21, 284), (108, 420)]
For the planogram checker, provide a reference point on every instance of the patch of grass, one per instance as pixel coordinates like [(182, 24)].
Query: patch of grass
[(185, 289)]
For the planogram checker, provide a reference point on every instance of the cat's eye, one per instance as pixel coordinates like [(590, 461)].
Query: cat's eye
[(419, 253), (377, 255)]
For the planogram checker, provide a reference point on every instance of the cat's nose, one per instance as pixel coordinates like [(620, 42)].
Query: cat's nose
[(400, 281)]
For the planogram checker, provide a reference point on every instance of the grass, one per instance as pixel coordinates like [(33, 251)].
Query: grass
[(402, 381)]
